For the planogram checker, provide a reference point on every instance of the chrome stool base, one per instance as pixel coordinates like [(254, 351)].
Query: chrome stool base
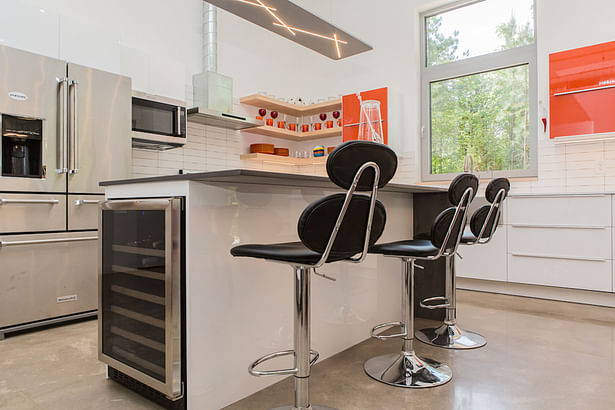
[(407, 370), (312, 407), (451, 337)]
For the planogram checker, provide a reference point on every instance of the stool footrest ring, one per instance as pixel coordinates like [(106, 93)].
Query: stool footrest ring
[(424, 303), (389, 324), (252, 368)]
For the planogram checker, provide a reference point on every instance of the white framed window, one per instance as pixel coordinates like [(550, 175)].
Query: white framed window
[(478, 89)]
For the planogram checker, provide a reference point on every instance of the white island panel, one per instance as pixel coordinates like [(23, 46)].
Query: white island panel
[(239, 309)]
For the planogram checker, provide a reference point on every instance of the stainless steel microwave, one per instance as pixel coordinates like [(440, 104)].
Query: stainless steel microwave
[(158, 123)]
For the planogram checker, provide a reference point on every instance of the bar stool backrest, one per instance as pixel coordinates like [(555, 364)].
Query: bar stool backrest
[(347, 224), (344, 162), (447, 229), (485, 220)]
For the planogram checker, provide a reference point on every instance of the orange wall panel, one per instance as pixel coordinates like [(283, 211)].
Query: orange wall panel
[(351, 112)]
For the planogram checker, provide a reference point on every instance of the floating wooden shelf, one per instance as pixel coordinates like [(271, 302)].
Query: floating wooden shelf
[(271, 131), (272, 104), (278, 159)]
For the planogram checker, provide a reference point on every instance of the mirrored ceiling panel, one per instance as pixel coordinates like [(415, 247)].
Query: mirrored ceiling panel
[(297, 24)]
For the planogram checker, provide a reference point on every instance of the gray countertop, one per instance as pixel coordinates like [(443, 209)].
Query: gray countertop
[(246, 176)]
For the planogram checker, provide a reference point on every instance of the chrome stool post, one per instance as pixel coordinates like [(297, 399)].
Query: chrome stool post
[(406, 369), (304, 357), (449, 335)]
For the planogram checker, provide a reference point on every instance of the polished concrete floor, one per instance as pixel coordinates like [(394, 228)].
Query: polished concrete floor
[(540, 355)]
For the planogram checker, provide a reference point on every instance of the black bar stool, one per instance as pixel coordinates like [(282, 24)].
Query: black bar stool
[(482, 227), (406, 369), (339, 227)]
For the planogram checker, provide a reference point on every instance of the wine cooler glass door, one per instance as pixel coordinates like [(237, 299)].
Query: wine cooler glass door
[(139, 320)]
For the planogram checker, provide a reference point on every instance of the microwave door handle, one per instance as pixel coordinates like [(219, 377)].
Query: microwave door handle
[(178, 111), (74, 127), (62, 135)]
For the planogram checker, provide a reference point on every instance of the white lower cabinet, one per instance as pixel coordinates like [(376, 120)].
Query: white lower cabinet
[(587, 274), (562, 240), (486, 261)]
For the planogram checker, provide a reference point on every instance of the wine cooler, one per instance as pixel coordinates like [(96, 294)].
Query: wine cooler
[(141, 300)]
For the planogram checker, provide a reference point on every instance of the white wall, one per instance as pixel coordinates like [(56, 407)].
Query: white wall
[(392, 27), (158, 44)]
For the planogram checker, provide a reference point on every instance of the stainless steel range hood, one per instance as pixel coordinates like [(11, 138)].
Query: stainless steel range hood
[(206, 116)]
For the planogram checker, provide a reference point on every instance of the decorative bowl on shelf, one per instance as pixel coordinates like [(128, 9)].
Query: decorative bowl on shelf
[(283, 152), (262, 149)]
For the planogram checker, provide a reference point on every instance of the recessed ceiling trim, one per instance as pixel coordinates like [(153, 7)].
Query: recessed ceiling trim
[(296, 24)]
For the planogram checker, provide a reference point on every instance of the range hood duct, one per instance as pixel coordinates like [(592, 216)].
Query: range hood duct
[(210, 38), (213, 92)]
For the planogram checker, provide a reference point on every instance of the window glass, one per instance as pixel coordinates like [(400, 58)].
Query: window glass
[(486, 115), (478, 29)]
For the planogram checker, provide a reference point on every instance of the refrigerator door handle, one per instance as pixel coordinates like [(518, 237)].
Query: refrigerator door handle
[(81, 202), (62, 134), (42, 241), (29, 201), (74, 127)]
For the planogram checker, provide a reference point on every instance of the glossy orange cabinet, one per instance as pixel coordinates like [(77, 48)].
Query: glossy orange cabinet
[(582, 91)]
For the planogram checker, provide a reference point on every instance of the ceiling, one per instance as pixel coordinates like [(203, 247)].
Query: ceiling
[(296, 24)]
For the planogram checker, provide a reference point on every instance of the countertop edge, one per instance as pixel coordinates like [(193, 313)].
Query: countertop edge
[(255, 177)]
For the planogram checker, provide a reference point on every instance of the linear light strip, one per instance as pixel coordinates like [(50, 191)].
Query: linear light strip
[(337, 46), (257, 5), (277, 18), (313, 34)]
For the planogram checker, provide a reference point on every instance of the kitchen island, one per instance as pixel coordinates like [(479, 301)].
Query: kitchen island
[(237, 309)]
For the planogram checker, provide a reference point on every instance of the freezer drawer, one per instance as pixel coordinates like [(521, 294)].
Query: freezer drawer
[(20, 213), (83, 211), (47, 275)]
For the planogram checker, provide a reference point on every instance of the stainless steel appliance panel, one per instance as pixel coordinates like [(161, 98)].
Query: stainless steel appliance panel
[(30, 86), (158, 123), (31, 213), (99, 142), (46, 275), (139, 324), (83, 211)]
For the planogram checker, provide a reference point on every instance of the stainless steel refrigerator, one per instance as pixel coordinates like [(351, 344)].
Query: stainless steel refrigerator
[(64, 127)]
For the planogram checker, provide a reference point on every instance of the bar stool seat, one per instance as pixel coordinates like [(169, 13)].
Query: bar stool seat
[(468, 237), (415, 247), (290, 252)]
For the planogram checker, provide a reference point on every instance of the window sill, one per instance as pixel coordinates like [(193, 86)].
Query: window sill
[(486, 180)]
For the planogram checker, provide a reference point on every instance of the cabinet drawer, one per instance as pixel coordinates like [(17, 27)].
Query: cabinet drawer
[(486, 261), (32, 213), (590, 210), (83, 211), (47, 275), (578, 242), (568, 273)]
